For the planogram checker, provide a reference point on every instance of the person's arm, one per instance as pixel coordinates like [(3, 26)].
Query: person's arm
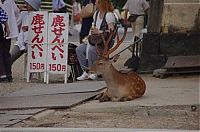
[(7, 30), (54, 5), (145, 6), (126, 15), (110, 19), (126, 12)]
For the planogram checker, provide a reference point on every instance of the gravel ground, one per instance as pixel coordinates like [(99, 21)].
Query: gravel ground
[(156, 118)]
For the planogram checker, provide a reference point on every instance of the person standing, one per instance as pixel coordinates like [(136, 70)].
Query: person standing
[(58, 6), (137, 10), (86, 23), (21, 45), (13, 13), (4, 31)]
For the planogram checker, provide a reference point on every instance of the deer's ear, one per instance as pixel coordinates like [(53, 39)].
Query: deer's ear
[(115, 58)]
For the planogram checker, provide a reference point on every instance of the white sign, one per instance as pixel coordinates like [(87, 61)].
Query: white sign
[(57, 43), (37, 41), (48, 44)]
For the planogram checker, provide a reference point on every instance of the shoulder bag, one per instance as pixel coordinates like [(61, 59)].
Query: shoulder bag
[(88, 10)]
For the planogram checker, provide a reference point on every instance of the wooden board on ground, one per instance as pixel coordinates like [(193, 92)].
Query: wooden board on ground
[(11, 117), (44, 101), (183, 62), (77, 87)]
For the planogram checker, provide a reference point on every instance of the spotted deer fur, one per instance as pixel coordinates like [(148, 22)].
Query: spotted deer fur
[(120, 86)]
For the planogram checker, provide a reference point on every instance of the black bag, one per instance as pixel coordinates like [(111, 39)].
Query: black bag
[(73, 61), (97, 38), (132, 18)]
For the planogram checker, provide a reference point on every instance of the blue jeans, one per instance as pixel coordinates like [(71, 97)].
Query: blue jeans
[(81, 55)]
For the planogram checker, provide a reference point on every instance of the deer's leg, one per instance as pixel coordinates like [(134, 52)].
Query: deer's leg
[(98, 96), (105, 97), (122, 99)]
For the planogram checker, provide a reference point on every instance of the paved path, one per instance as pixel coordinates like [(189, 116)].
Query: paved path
[(160, 92)]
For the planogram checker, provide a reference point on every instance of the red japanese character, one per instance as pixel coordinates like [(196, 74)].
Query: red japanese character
[(61, 51), (38, 19), (58, 21), (39, 48), (58, 29), (37, 39), (38, 23)]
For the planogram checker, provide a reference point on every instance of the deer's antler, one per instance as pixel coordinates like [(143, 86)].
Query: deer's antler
[(107, 51), (119, 41)]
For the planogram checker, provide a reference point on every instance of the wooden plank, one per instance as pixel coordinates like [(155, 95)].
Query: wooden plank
[(20, 112), (77, 87), (183, 61), (11, 117), (44, 101)]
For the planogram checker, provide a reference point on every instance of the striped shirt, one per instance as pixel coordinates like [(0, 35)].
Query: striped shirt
[(3, 16)]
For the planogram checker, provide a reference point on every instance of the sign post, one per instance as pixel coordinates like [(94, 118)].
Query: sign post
[(57, 53), (37, 43)]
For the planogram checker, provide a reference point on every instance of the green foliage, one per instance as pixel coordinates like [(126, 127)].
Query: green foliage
[(119, 3)]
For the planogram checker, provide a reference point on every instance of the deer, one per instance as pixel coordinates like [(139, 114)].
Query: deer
[(120, 86)]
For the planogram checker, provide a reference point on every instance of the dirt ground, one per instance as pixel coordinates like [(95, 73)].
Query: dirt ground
[(160, 118)]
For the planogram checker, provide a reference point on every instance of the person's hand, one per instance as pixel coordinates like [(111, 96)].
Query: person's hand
[(95, 31), (25, 28), (7, 30)]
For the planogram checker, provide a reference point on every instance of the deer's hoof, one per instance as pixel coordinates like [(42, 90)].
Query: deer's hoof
[(98, 96), (104, 99)]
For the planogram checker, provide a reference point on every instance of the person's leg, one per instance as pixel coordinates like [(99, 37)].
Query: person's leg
[(2, 67), (15, 53), (133, 24), (92, 55), (81, 55), (7, 58), (139, 24)]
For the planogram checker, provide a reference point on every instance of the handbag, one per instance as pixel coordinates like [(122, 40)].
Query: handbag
[(95, 39), (88, 10)]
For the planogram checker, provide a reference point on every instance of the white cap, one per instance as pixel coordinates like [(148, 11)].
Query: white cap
[(34, 3)]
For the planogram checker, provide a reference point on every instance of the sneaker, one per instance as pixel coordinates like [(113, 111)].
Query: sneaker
[(84, 76), (92, 76)]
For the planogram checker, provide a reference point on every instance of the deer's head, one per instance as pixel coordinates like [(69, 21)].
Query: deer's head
[(104, 63)]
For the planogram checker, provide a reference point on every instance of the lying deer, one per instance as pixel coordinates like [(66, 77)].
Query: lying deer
[(120, 86)]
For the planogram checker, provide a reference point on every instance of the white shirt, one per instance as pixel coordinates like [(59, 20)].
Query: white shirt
[(22, 39), (136, 7), (13, 12), (110, 18), (117, 14), (57, 4), (76, 8)]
